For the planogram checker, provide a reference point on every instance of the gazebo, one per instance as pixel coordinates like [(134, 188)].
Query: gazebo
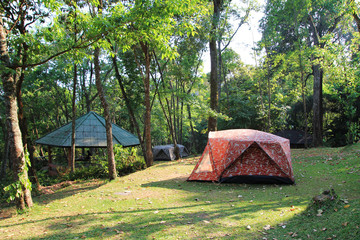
[(90, 132)]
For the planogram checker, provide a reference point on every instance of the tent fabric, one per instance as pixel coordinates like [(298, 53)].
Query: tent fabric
[(166, 152), (244, 155), (90, 132)]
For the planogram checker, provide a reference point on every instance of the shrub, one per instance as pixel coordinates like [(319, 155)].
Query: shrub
[(127, 160)]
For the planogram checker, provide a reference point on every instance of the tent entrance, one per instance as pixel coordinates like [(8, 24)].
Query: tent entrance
[(205, 165), (253, 166)]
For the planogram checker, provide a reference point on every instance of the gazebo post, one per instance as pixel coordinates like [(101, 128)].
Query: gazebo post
[(49, 155)]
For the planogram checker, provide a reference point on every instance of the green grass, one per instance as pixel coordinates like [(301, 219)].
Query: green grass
[(158, 203)]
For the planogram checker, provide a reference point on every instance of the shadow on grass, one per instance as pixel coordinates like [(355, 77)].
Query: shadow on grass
[(68, 190), (148, 223)]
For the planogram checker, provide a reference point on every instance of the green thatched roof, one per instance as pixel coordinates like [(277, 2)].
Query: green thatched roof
[(90, 132)]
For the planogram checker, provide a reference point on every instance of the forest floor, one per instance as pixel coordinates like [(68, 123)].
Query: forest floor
[(158, 203)]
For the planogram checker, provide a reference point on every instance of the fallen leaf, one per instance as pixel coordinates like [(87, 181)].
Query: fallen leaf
[(347, 206), (118, 232), (267, 227), (345, 224)]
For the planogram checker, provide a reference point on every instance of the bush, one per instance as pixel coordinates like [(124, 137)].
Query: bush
[(127, 160), (4, 195)]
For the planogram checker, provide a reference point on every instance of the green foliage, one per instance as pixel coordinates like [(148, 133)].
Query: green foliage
[(85, 173), (127, 160), (15, 189), (5, 196)]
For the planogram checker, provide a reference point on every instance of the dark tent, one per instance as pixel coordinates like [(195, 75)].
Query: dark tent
[(296, 137), (90, 132), (166, 152)]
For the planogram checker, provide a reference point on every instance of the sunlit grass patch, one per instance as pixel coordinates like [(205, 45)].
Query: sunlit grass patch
[(158, 203)]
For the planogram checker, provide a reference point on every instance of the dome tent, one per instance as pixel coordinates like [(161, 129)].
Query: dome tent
[(244, 156), (166, 152)]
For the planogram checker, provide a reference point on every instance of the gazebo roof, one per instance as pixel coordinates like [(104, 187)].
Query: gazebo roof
[(90, 132)]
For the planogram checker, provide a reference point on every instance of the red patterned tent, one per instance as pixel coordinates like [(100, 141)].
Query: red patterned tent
[(245, 156)]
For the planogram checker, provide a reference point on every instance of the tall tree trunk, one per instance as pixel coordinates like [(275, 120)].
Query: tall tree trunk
[(220, 69), (171, 127), (146, 79), (128, 105), (17, 154), (193, 139), (23, 55), (303, 94), (269, 96), (4, 157), (23, 127), (214, 97), (72, 159), (317, 106), (109, 139)]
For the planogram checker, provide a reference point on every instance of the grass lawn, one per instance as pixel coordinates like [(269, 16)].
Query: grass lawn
[(158, 203)]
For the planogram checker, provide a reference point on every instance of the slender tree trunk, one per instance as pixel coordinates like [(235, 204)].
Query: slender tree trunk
[(109, 139), (193, 139), (214, 97), (303, 89), (146, 79), (181, 122), (261, 100), (24, 130), (128, 105), (171, 128), (317, 106), (72, 160), (220, 70), (269, 99), (17, 154)]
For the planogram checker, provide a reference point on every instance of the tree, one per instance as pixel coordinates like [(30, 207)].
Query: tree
[(316, 20), (154, 31), (17, 154), (24, 57)]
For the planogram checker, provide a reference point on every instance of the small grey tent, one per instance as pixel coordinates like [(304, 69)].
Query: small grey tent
[(166, 152), (90, 132)]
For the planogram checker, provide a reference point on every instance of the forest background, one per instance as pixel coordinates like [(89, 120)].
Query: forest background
[(140, 64)]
